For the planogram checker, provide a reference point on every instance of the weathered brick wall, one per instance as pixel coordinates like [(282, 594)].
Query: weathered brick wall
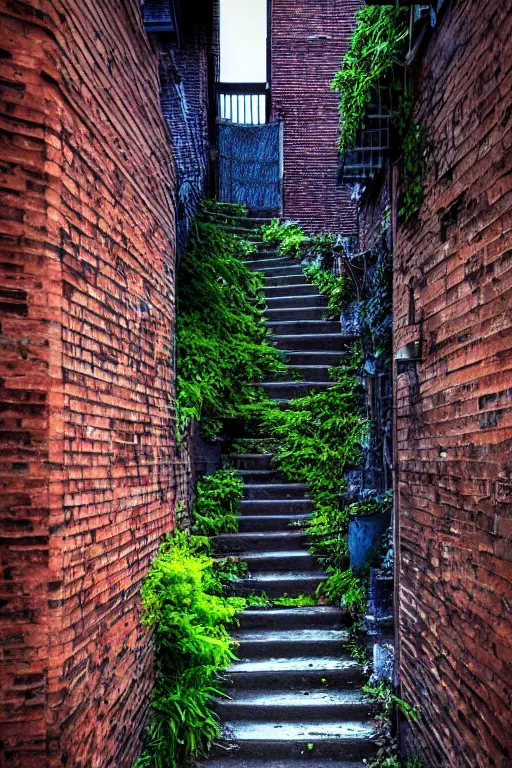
[(187, 74), (302, 71), (454, 409), (87, 265)]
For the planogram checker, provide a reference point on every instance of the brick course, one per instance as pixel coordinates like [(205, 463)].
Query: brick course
[(302, 71), (88, 467), (454, 409)]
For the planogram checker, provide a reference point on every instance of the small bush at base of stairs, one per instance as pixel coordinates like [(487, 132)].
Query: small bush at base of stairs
[(183, 604)]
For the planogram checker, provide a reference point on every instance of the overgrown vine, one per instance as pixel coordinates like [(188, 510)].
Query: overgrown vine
[(375, 58)]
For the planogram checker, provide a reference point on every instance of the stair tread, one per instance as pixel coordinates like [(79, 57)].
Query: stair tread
[(285, 575), (291, 635), (230, 762), (262, 731), (318, 664), (304, 698), (274, 555)]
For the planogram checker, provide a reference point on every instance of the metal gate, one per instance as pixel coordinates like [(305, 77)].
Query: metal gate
[(250, 165)]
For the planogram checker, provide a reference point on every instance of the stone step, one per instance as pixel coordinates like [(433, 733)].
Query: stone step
[(310, 299), (280, 583), (314, 372), (284, 281), (259, 542), (318, 704), (265, 251), (282, 560), (260, 264), (248, 233), (275, 506), (293, 618), (250, 221), (232, 761), (290, 289), (276, 271), (256, 461), (296, 674), (311, 341), (275, 491), (249, 523), (294, 313), (268, 740), (291, 643), (287, 390), (261, 476), (326, 358), (289, 327)]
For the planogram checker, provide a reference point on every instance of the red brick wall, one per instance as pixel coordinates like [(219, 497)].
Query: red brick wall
[(454, 409), (87, 269), (302, 71)]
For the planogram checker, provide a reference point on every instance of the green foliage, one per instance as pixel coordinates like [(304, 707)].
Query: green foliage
[(221, 334), (382, 694), (415, 146), (356, 644), (227, 570), (344, 587), (182, 604), (216, 508), (371, 506), (377, 44), (288, 237), (333, 288), (301, 601)]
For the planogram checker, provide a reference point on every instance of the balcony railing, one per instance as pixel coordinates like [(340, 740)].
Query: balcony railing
[(242, 103)]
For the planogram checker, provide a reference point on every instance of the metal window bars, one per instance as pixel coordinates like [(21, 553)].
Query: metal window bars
[(242, 103), (373, 142)]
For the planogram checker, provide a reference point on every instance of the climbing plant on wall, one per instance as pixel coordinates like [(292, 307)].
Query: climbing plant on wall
[(376, 57)]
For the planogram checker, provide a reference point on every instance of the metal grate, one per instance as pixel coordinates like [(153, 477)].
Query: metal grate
[(242, 103), (373, 142)]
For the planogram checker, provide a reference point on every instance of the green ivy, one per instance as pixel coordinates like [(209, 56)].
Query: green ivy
[(332, 287), (377, 44), (382, 693), (222, 348), (288, 237), (415, 146), (216, 507)]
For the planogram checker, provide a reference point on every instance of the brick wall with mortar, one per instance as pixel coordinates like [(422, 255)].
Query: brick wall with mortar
[(88, 475), (187, 74), (301, 73), (454, 409)]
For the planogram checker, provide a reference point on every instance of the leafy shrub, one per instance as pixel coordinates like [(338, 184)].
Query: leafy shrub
[(222, 348), (382, 693), (216, 508), (333, 288), (372, 505), (344, 587), (183, 606), (288, 237), (377, 44)]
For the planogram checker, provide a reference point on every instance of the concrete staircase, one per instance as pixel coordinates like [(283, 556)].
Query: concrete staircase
[(294, 695)]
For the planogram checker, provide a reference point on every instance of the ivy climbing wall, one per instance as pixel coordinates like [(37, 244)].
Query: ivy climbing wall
[(309, 40), (453, 288), (89, 467)]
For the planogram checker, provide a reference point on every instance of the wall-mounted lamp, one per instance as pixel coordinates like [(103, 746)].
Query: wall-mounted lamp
[(319, 37), (409, 353)]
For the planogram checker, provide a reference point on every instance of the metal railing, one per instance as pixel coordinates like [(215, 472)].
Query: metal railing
[(242, 103)]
